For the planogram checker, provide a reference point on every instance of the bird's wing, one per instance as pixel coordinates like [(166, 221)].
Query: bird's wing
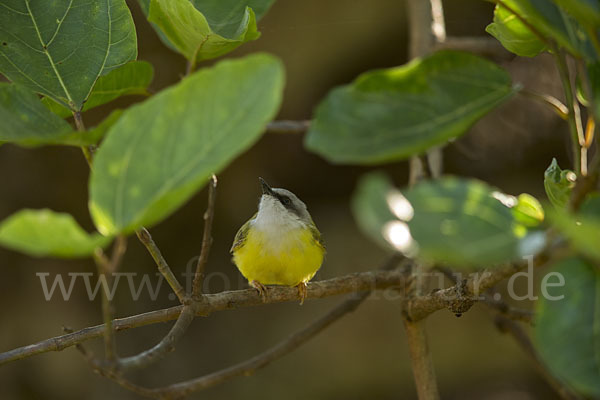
[(240, 236), (316, 235)]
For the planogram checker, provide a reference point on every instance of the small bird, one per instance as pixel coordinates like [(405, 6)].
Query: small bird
[(280, 244)]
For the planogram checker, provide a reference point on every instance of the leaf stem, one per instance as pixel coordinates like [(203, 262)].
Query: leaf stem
[(574, 119)]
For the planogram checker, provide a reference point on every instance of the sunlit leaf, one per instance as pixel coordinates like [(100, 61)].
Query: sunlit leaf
[(392, 114), (190, 33), (148, 166), (567, 329), (514, 35), (528, 210), (48, 233), (59, 48)]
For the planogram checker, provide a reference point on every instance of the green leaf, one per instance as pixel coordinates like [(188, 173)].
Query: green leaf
[(528, 211), (225, 17), (461, 222), (567, 331), (26, 122), (60, 48), (163, 150), (47, 233), (558, 184), (585, 11), (188, 30), (551, 22), (393, 114), (371, 209), (582, 229), (130, 79), (514, 35)]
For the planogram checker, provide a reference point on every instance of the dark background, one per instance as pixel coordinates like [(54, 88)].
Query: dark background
[(363, 356)]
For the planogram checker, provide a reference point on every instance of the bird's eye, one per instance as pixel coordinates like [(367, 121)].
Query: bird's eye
[(286, 201)]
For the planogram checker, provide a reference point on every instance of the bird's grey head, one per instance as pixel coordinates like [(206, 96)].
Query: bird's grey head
[(282, 202)]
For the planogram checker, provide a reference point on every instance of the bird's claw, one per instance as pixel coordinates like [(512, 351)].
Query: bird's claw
[(262, 290), (302, 292)]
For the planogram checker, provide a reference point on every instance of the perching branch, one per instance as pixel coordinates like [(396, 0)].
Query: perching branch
[(207, 239), (161, 263), (480, 45), (288, 345), (229, 300)]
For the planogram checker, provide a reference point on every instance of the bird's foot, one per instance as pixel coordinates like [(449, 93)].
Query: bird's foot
[(262, 290), (302, 292)]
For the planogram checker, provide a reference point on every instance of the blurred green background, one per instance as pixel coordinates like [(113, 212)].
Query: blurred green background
[(363, 356)]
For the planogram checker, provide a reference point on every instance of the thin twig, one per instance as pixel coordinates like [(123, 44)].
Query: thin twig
[(105, 270), (166, 345), (207, 239), (507, 325), (229, 300), (288, 127), (161, 263)]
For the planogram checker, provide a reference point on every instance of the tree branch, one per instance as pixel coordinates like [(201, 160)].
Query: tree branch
[(460, 297), (286, 126), (209, 303), (506, 325), (207, 239), (146, 239)]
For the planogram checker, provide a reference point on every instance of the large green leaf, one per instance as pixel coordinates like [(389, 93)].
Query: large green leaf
[(163, 150), (130, 79), (458, 222), (462, 223), (514, 35), (48, 233), (26, 122), (559, 184), (582, 229), (567, 331), (60, 48), (395, 113), (189, 31)]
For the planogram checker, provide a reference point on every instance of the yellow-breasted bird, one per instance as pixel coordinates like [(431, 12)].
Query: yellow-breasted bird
[(280, 244)]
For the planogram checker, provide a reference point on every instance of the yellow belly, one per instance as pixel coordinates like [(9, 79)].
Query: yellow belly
[(289, 260)]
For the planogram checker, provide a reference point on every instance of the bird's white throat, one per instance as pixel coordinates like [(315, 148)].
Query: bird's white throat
[(274, 219)]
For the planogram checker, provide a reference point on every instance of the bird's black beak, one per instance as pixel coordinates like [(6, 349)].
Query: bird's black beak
[(266, 189)]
